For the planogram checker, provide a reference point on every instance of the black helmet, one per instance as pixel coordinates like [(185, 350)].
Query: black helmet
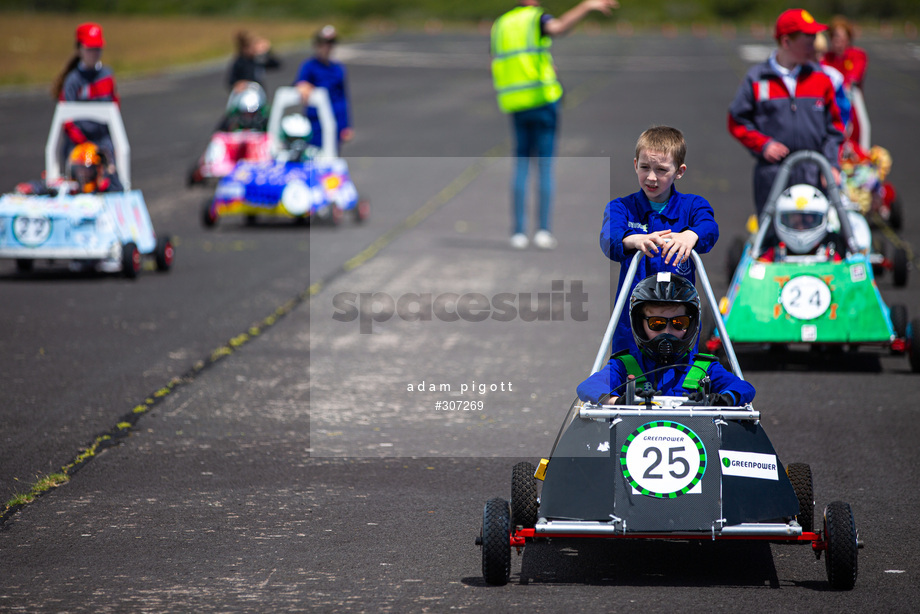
[(665, 288)]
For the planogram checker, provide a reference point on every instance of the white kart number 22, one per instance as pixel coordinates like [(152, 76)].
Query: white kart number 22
[(31, 231)]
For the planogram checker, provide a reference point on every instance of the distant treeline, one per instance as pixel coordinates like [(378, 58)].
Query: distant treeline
[(637, 11)]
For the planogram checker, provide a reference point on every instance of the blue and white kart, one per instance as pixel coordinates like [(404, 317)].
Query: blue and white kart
[(300, 182), (105, 232), (664, 468)]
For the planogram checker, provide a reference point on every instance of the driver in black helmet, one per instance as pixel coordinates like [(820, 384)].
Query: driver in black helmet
[(664, 311)]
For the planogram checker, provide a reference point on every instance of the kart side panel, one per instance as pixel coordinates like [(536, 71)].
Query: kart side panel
[(579, 481), (751, 499), (841, 303), (285, 188), (78, 226), (585, 478)]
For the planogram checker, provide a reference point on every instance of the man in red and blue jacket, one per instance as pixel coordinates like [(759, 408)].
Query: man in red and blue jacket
[(787, 104)]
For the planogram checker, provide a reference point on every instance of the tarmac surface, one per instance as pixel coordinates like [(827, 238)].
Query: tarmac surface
[(284, 460)]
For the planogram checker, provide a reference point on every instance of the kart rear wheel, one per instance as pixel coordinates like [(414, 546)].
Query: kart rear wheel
[(524, 495), (842, 546), (130, 260), (899, 267), (895, 214), (25, 265), (914, 352), (362, 210), (800, 476), (899, 320), (164, 253), (208, 217), (496, 542)]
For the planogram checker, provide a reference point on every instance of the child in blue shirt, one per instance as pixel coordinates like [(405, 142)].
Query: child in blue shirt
[(657, 220), (664, 316), (322, 71)]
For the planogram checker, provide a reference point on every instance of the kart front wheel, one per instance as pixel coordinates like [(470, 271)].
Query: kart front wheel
[(842, 546), (496, 542), (523, 495), (24, 265), (898, 316), (800, 476), (130, 260), (165, 252), (895, 214), (208, 217)]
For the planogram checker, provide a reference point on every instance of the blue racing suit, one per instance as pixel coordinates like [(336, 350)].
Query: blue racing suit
[(634, 215), (610, 379)]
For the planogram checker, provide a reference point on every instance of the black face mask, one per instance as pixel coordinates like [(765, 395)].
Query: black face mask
[(664, 348)]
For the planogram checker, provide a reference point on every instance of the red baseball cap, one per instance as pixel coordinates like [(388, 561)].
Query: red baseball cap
[(797, 20), (90, 35)]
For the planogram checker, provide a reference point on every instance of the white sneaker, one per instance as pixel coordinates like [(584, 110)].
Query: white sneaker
[(544, 240), (519, 241)]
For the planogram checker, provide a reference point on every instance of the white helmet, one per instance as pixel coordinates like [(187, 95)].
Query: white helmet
[(801, 218)]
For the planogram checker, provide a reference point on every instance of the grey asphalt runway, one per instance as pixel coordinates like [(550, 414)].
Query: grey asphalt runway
[(290, 463)]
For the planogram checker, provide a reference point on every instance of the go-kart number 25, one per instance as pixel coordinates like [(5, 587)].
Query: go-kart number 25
[(805, 297), (31, 231), (674, 458), (663, 459)]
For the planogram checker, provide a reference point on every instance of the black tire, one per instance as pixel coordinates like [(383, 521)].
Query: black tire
[(361, 211), (842, 546), (250, 220), (130, 260), (899, 320), (895, 214), (899, 268), (335, 215), (496, 542), (165, 253), (800, 476), (913, 354), (25, 265), (523, 496), (735, 252), (207, 215)]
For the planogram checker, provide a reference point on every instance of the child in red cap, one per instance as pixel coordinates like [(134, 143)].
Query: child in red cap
[(86, 78), (786, 104)]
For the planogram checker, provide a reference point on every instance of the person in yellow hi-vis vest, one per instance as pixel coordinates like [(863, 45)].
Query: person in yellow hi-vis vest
[(528, 89)]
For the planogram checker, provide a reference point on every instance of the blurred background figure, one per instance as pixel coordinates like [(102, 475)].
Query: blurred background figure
[(86, 79), (840, 90), (851, 61), (247, 108), (529, 91), (322, 71), (253, 57)]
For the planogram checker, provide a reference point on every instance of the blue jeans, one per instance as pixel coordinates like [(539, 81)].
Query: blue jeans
[(535, 136)]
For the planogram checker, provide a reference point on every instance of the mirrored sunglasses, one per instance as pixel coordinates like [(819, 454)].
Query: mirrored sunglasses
[(657, 323)]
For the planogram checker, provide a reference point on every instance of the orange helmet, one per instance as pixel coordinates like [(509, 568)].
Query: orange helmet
[(85, 161)]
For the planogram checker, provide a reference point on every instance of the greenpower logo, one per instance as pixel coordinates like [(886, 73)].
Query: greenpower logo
[(726, 462)]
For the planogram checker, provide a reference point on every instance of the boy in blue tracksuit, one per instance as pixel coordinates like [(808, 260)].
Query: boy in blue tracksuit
[(322, 71), (664, 313), (658, 220)]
